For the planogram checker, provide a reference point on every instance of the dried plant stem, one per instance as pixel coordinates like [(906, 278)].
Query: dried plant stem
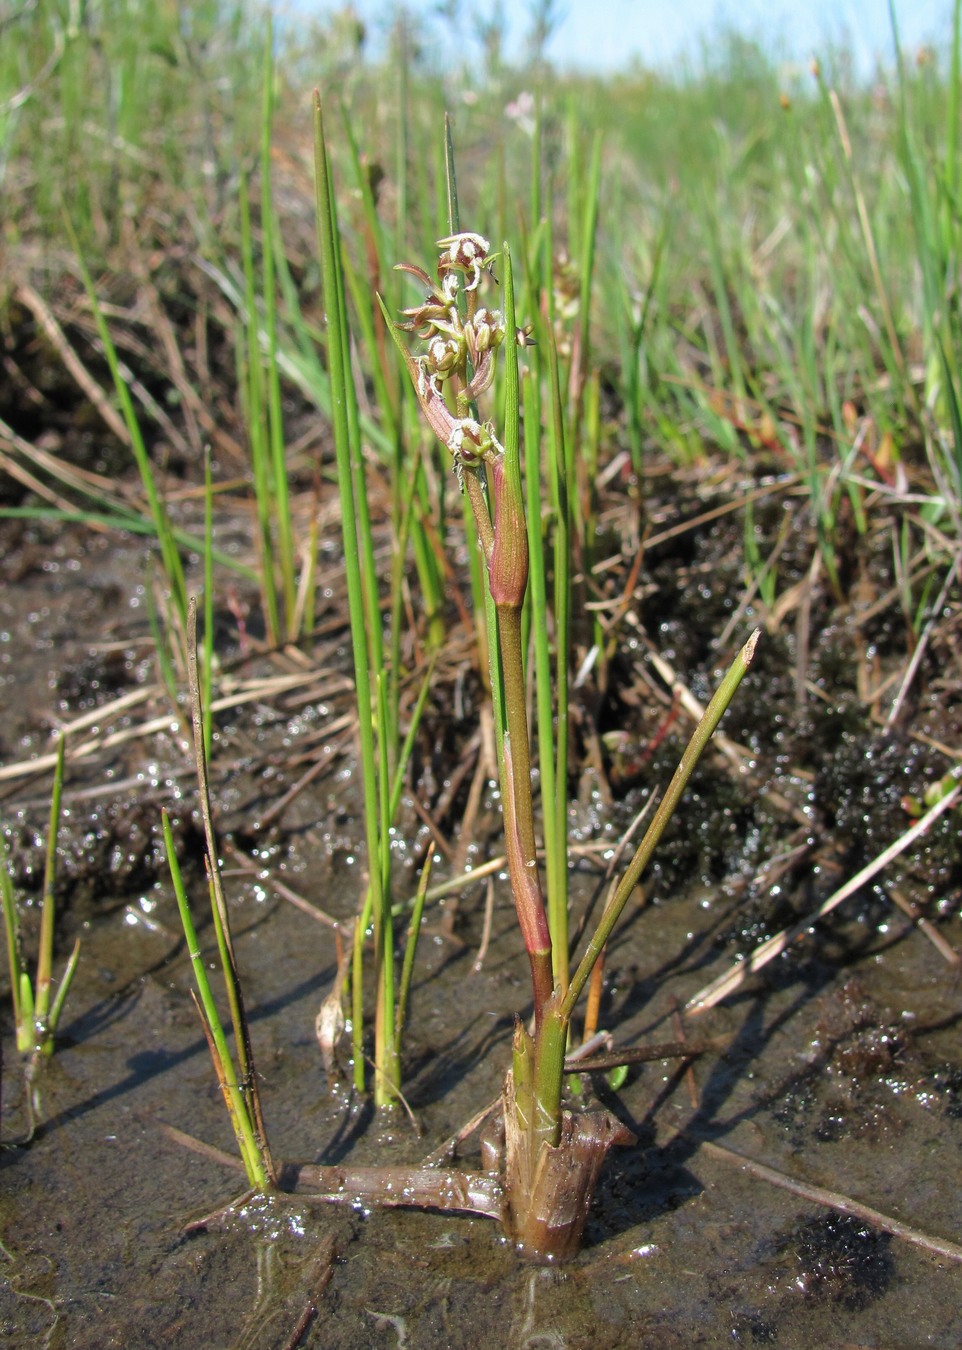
[(842, 1204), (35, 303)]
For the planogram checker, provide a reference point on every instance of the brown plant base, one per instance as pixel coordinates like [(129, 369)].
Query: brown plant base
[(545, 1225), (543, 1215), (546, 1220), (418, 1187)]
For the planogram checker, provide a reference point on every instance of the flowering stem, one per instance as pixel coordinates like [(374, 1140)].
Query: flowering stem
[(461, 338), (552, 1157), (482, 517), (519, 813), (508, 576)]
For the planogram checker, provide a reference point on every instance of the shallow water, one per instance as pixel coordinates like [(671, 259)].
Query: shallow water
[(844, 1067), (821, 1081)]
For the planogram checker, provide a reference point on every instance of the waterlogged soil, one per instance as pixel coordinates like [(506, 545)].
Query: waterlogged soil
[(842, 1062)]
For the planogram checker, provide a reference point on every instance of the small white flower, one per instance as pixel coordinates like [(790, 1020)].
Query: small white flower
[(467, 427), (521, 111), (487, 329), (427, 381), (466, 251), (444, 354)]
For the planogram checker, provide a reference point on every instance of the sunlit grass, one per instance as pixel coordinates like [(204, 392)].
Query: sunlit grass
[(748, 253), (747, 272)]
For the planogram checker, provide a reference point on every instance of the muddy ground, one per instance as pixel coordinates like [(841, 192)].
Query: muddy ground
[(844, 1063)]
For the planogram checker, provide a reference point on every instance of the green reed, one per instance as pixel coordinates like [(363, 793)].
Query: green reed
[(238, 1082), (383, 758), (36, 1009)]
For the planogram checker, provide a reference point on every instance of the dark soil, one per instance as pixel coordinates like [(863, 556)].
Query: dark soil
[(844, 1067)]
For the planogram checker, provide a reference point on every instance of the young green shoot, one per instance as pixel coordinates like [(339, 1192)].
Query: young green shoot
[(239, 1086), (36, 1011), (377, 684)]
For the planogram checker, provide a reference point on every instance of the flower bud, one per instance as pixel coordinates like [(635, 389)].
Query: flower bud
[(444, 354), (466, 441), (485, 332), (467, 252), (482, 378)]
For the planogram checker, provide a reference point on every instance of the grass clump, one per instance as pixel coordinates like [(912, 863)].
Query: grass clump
[(551, 1156), (36, 1008)]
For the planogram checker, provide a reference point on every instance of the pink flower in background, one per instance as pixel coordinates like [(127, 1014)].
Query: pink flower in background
[(521, 110)]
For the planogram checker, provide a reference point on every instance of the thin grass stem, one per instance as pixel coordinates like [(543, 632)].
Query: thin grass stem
[(364, 614), (411, 941), (271, 245), (12, 930), (48, 904), (240, 1118)]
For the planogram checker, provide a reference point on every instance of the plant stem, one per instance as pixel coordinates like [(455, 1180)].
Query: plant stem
[(249, 1145), (48, 910), (519, 813), (365, 620)]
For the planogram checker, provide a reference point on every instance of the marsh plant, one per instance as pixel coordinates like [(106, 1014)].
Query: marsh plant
[(541, 1159), (551, 1155), (37, 1007)]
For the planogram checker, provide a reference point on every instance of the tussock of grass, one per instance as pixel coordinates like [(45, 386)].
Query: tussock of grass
[(768, 276)]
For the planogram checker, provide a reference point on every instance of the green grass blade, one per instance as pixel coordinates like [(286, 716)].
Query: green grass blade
[(253, 385), (12, 929), (63, 990), (173, 568), (693, 752), (207, 663), (341, 398), (48, 903), (240, 1117), (556, 805), (131, 524), (271, 245), (411, 942)]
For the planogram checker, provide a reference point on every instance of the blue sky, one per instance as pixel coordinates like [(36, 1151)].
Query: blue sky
[(603, 34)]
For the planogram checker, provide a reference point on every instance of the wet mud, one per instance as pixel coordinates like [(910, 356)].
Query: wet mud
[(843, 1066)]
